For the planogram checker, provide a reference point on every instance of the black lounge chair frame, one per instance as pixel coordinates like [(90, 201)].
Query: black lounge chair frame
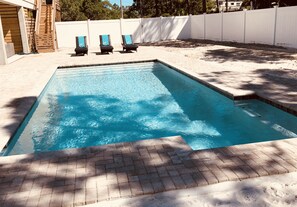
[(105, 48), (128, 47), (81, 50)]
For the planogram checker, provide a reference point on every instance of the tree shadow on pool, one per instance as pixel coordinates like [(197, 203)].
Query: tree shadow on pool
[(19, 108), (72, 121)]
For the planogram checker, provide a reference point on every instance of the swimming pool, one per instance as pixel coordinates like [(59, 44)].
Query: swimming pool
[(98, 105)]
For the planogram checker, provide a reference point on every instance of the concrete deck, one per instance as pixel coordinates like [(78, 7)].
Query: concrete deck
[(273, 78)]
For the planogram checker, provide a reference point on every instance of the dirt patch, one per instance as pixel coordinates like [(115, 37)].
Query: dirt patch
[(192, 43), (228, 51)]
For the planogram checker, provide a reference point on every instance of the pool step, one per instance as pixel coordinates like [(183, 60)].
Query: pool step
[(108, 69)]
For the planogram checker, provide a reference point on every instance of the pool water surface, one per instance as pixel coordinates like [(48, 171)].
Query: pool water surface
[(99, 105)]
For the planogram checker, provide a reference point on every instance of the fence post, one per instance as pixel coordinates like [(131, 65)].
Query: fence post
[(161, 23), (222, 25), (89, 33), (190, 22), (3, 55), (244, 25), (275, 22), (142, 36), (121, 26), (204, 26)]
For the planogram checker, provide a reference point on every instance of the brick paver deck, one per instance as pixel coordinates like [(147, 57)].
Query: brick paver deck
[(84, 176)]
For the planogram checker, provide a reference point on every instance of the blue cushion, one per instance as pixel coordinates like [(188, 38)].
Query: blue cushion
[(128, 40), (81, 41), (105, 40)]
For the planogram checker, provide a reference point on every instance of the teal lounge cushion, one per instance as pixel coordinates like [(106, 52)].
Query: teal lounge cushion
[(81, 41), (128, 40), (105, 40)]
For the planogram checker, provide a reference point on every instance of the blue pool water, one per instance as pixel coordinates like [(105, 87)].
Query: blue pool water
[(100, 105)]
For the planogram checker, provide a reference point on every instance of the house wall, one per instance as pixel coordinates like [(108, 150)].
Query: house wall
[(232, 5), (11, 28), (30, 4)]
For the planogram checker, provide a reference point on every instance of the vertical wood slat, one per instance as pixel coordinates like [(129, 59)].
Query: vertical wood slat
[(30, 25), (11, 27)]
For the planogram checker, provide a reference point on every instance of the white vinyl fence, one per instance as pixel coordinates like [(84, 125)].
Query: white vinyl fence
[(143, 30), (275, 26)]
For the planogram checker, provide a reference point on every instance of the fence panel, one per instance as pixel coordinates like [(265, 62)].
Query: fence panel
[(67, 31), (197, 27), (286, 27), (111, 27), (132, 26), (175, 28), (167, 27), (233, 26), (260, 26), (182, 29), (213, 27), (151, 29)]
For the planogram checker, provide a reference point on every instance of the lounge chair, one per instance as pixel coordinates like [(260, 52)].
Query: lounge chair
[(105, 44), (81, 45), (128, 44)]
